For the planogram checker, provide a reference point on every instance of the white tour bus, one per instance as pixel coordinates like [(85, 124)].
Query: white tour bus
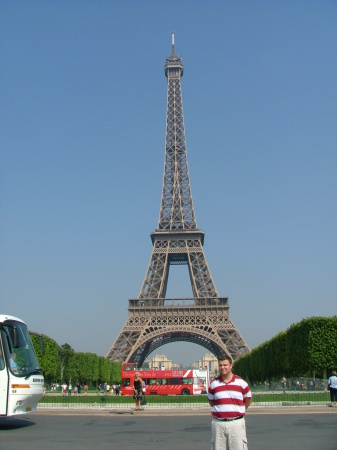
[(21, 379)]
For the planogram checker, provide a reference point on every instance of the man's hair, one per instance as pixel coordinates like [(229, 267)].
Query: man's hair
[(225, 358)]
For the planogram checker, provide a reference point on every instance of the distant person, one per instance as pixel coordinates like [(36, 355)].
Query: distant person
[(284, 383), (138, 390), (229, 396), (332, 386)]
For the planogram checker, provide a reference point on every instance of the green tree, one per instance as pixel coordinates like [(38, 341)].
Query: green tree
[(87, 367), (68, 369), (322, 349), (104, 369), (49, 359), (116, 372)]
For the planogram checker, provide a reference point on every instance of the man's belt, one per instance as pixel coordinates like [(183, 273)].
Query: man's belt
[(228, 420)]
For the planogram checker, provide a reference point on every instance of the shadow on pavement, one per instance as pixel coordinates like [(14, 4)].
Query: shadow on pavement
[(11, 423)]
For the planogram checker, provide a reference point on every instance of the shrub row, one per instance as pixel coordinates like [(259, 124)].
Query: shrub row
[(307, 348), (62, 364)]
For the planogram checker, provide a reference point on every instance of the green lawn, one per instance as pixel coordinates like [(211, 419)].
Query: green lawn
[(292, 397)]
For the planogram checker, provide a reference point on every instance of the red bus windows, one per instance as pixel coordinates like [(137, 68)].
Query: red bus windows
[(151, 381), (187, 381), (162, 381), (129, 367), (174, 381), (126, 382)]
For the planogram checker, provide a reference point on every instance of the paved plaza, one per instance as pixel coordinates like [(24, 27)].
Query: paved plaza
[(288, 429)]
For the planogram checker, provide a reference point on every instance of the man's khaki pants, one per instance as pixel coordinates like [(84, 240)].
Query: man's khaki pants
[(229, 435)]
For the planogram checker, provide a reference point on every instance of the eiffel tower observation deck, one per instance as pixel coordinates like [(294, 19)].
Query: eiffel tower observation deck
[(153, 319)]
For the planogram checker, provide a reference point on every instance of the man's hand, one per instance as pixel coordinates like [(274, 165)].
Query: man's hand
[(248, 401)]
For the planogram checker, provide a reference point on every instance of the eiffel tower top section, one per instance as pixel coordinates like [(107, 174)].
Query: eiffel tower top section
[(174, 63), (176, 210)]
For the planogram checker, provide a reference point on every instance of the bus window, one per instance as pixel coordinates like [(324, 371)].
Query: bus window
[(174, 381), (16, 341), (187, 381), (129, 367), (151, 381), (126, 382), (162, 381)]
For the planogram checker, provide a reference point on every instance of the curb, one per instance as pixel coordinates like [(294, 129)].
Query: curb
[(255, 410)]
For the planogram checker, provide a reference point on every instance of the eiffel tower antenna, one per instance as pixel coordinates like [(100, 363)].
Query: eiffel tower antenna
[(173, 49), (155, 320)]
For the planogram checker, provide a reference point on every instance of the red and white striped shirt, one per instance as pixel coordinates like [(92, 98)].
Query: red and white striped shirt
[(228, 397)]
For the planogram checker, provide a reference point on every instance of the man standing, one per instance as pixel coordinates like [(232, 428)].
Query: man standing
[(229, 396), (332, 386)]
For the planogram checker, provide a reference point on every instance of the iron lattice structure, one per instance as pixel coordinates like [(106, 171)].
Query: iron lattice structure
[(155, 320)]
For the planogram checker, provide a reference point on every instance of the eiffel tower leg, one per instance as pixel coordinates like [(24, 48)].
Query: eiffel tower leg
[(124, 343), (200, 275), (155, 281)]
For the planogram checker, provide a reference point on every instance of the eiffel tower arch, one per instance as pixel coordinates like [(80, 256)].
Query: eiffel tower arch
[(153, 319)]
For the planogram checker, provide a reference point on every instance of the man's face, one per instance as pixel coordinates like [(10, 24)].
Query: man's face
[(225, 367)]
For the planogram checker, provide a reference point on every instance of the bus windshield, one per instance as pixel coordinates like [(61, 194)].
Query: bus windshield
[(18, 349)]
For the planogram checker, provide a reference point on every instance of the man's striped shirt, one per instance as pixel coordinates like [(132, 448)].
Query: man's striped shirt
[(228, 397)]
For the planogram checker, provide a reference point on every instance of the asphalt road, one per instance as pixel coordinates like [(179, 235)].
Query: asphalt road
[(188, 432)]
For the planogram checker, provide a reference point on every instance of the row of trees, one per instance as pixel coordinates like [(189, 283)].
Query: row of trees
[(307, 348), (62, 364)]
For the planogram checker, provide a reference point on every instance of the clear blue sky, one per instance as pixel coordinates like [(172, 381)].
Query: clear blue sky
[(82, 141)]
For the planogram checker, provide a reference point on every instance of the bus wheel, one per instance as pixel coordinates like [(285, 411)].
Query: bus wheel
[(185, 392)]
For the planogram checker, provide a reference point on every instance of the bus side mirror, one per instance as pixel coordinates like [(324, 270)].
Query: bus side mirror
[(40, 340), (41, 344)]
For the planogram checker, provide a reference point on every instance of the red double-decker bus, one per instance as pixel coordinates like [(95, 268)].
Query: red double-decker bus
[(166, 382)]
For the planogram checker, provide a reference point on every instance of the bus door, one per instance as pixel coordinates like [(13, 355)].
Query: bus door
[(3, 384)]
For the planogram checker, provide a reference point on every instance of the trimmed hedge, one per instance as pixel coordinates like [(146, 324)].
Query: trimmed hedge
[(305, 348)]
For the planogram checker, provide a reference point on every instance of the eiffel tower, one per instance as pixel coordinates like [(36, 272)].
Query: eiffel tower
[(153, 319)]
